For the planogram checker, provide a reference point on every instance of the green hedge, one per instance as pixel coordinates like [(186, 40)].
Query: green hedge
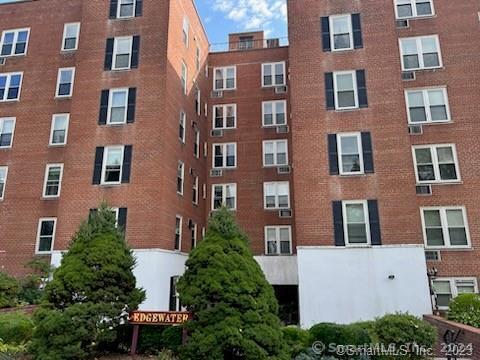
[(465, 309), (15, 328), (9, 289)]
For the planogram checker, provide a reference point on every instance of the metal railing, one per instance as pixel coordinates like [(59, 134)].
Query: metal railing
[(249, 44)]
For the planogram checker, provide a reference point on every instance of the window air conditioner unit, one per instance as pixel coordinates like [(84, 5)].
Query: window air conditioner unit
[(217, 94), (280, 89), (283, 170), (408, 75), (217, 133), (282, 129), (216, 173), (285, 213), (432, 255), (415, 129), (424, 190), (402, 24), (2, 60)]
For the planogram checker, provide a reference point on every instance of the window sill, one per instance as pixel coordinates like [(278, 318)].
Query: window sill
[(10, 101), (225, 90), (359, 246), (224, 168), (56, 145), (44, 253), (123, 18), (273, 87), (68, 52), (443, 183), (433, 123), (114, 125), (432, 69), (14, 56), (349, 109), (5, 148), (69, 97), (362, 174), (453, 249), (120, 70), (50, 198), (417, 17), (278, 209), (112, 185)]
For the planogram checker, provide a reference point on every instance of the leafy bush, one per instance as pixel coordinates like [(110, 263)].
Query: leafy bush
[(296, 339), (9, 289), (403, 329), (152, 339), (465, 309), (12, 350), (32, 285), (167, 355), (15, 328)]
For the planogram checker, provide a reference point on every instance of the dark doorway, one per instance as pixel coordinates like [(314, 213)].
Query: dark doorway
[(287, 297)]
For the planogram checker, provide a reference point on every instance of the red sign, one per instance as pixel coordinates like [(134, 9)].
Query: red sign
[(159, 318)]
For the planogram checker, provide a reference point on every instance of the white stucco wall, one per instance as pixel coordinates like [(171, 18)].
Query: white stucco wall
[(345, 285), (279, 270)]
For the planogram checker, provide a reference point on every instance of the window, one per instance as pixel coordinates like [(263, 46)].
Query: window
[(407, 9), (122, 53), (436, 164), (59, 129), (71, 34), (180, 177), (10, 86), (198, 58), (53, 180), (3, 181), (345, 87), (193, 234), (341, 32), (117, 106), (66, 77), (445, 227), (195, 191), (46, 235), (276, 195), (174, 303), (224, 195), (225, 116), (14, 42), (445, 289), (7, 127), (426, 106), (126, 9), (278, 240), (356, 222), (350, 154), (196, 143), (184, 78), (185, 31), (198, 101), (246, 42), (225, 155), (112, 165), (181, 126), (225, 78), (274, 113), (178, 232), (421, 52), (275, 153), (273, 74)]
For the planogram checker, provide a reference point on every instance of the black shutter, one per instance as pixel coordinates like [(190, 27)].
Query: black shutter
[(109, 54), (127, 163), (338, 223), (326, 34), (104, 98), (132, 99), (362, 89), (357, 31), (375, 234), (139, 8), (122, 219), (333, 154), (329, 92), (97, 168), (135, 52), (367, 153), (113, 9), (173, 299)]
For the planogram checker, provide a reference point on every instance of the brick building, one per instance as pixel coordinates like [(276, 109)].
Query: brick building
[(347, 156)]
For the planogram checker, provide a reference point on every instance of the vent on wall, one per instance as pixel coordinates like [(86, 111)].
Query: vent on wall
[(432, 255), (424, 190), (217, 94), (217, 133), (280, 89), (415, 129), (402, 24), (282, 129), (216, 173), (408, 75), (283, 170), (285, 213)]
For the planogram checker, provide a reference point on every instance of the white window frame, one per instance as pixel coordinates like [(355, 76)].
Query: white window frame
[(444, 223), (453, 281), (59, 75), (274, 74), (277, 229), (15, 40), (8, 83), (194, 234), (276, 184), (110, 105), (196, 144), (186, 31), (274, 114), (45, 181), (182, 122), (119, 6), (233, 189), (2, 122), (366, 215), (2, 194), (414, 10), (52, 128), (225, 107), (418, 40), (224, 70), (198, 101), (104, 164), (331, 19), (37, 244), (179, 233), (195, 189), (436, 168), (115, 53), (426, 102), (182, 164), (275, 152), (355, 89), (360, 153), (225, 155), (77, 36), (184, 78)]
